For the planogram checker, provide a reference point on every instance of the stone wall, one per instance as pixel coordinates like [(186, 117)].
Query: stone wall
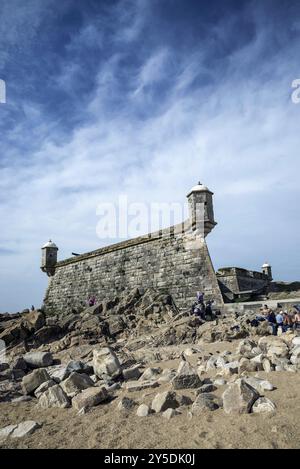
[(178, 262), (235, 280)]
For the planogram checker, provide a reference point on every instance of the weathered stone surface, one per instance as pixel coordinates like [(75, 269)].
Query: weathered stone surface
[(258, 359), (79, 367), (260, 385), (105, 362), (204, 401), (133, 386), (267, 365), (206, 388), (25, 428), (32, 381), (75, 383), (273, 346), (186, 377), (239, 397), (184, 400), (6, 432), (38, 359), (220, 382), (59, 373), (150, 373), (246, 365), (132, 373), (36, 319), (211, 363), (18, 364), (163, 401), (143, 410), (296, 340), (166, 376), (89, 398), (126, 403), (44, 387), (246, 347), (169, 413), (47, 333), (263, 404), (54, 397), (161, 261), (22, 399)]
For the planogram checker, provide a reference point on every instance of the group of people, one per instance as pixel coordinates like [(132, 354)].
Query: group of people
[(284, 319), (202, 309)]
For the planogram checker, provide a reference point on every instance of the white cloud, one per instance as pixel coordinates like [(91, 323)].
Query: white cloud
[(238, 136)]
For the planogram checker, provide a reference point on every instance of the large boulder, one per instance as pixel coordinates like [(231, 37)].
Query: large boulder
[(47, 334), (273, 346), (25, 428), (32, 381), (246, 347), (143, 410), (126, 403), (133, 386), (38, 359), (76, 383), (150, 373), (260, 385), (163, 401), (246, 365), (263, 404), (133, 372), (106, 363), (44, 387), (205, 401), (6, 432), (89, 398), (239, 397), (54, 397), (36, 319), (59, 372), (186, 377), (15, 332)]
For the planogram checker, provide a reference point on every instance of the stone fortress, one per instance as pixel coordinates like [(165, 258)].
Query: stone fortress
[(175, 260)]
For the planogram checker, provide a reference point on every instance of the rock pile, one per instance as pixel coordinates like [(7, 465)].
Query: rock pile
[(116, 362)]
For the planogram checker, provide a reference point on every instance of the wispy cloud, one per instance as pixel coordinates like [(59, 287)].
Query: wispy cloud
[(127, 99)]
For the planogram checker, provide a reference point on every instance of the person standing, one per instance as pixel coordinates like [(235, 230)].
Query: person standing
[(279, 320)]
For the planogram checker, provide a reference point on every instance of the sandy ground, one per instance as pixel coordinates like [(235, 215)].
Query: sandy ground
[(107, 427)]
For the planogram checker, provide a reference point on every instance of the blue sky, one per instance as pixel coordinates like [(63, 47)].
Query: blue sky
[(144, 98)]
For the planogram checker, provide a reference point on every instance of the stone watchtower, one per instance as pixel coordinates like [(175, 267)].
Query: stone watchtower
[(49, 258), (267, 270), (201, 209)]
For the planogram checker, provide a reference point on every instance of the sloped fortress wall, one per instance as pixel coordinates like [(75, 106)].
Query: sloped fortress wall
[(175, 259), (179, 263)]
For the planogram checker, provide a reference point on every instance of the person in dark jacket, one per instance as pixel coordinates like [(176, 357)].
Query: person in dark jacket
[(271, 318)]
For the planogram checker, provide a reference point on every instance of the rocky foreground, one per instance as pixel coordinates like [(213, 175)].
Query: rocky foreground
[(137, 373)]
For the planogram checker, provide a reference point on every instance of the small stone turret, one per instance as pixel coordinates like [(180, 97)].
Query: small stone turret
[(267, 270), (49, 258), (201, 208)]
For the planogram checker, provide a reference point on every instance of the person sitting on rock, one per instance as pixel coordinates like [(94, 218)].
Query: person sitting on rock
[(197, 309), (265, 311), (200, 297), (92, 301), (208, 311), (271, 318)]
